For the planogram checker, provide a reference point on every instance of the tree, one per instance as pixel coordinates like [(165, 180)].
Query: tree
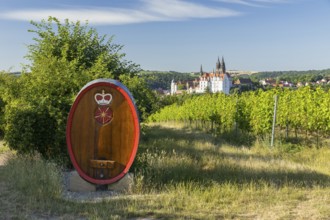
[(145, 99), (79, 45), (64, 57), (9, 90)]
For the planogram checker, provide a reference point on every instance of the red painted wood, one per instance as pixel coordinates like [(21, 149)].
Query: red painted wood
[(89, 139)]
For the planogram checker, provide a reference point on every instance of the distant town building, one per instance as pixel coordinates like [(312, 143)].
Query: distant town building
[(287, 84), (217, 81), (300, 84), (268, 82), (244, 82), (174, 87)]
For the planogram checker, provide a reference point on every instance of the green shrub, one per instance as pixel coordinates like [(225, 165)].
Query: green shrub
[(31, 129), (63, 58)]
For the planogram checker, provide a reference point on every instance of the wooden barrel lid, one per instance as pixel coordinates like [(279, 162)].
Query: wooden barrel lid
[(103, 131)]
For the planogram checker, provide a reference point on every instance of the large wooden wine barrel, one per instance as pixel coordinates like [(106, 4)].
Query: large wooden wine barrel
[(103, 131)]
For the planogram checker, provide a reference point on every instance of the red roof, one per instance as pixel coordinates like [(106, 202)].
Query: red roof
[(212, 75)]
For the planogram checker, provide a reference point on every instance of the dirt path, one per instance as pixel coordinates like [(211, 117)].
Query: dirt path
[(8, 204), (3, 158)]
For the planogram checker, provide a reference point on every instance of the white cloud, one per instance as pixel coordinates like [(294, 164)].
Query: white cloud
[(95, 16), (148, 11), (272, 1), (254, 3), (241, 2), (181, 9)]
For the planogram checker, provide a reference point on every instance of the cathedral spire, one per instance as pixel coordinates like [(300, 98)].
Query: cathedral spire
[(218, 65), (223, 65), (201, 71)]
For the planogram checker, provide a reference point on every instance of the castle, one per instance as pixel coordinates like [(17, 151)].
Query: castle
[(217, 81)]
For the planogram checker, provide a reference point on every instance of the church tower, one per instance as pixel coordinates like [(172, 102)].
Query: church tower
[(201, 71), (223, 66), (218, 66), (174, 87)]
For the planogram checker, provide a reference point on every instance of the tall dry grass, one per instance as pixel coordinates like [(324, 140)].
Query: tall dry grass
[(187, 174), (34, 177)]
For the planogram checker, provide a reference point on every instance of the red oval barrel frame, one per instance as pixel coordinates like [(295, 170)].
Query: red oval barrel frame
[(124, 91)]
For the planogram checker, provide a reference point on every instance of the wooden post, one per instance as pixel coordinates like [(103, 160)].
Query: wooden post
[(274, 122), (236, 126)]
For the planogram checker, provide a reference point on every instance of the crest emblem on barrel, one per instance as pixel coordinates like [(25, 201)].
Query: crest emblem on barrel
[(103, 113)]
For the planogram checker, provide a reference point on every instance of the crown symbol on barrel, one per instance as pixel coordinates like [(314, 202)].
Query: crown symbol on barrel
[(103, 99)]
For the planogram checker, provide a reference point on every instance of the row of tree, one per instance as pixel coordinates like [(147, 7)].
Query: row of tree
[(304, 109), (293, 76), (64, 57), (157, 79)]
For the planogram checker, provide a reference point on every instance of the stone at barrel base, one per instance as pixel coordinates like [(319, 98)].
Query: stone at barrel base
[(123, 185), (78, 184)]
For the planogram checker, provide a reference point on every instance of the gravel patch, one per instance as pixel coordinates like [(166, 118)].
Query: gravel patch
[(4, 157), (86, 197)]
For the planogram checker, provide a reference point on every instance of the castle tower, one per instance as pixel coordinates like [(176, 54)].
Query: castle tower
[(223, 65), (174, 87), (218, 65)]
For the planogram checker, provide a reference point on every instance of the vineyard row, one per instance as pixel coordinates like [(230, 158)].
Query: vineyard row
[(304, 109)]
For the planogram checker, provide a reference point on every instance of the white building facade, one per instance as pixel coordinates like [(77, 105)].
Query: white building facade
[(217, 81), (214, 83), (174, 87)]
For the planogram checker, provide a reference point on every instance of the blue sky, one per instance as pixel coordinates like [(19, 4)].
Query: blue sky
[(181, 35)]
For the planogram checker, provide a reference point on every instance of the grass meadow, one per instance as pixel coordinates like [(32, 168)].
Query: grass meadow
[(182, 173)]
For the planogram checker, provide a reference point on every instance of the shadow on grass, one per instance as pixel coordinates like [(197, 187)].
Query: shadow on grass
[(134, 207), (236, 175), (234, 138), (190, 168)]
